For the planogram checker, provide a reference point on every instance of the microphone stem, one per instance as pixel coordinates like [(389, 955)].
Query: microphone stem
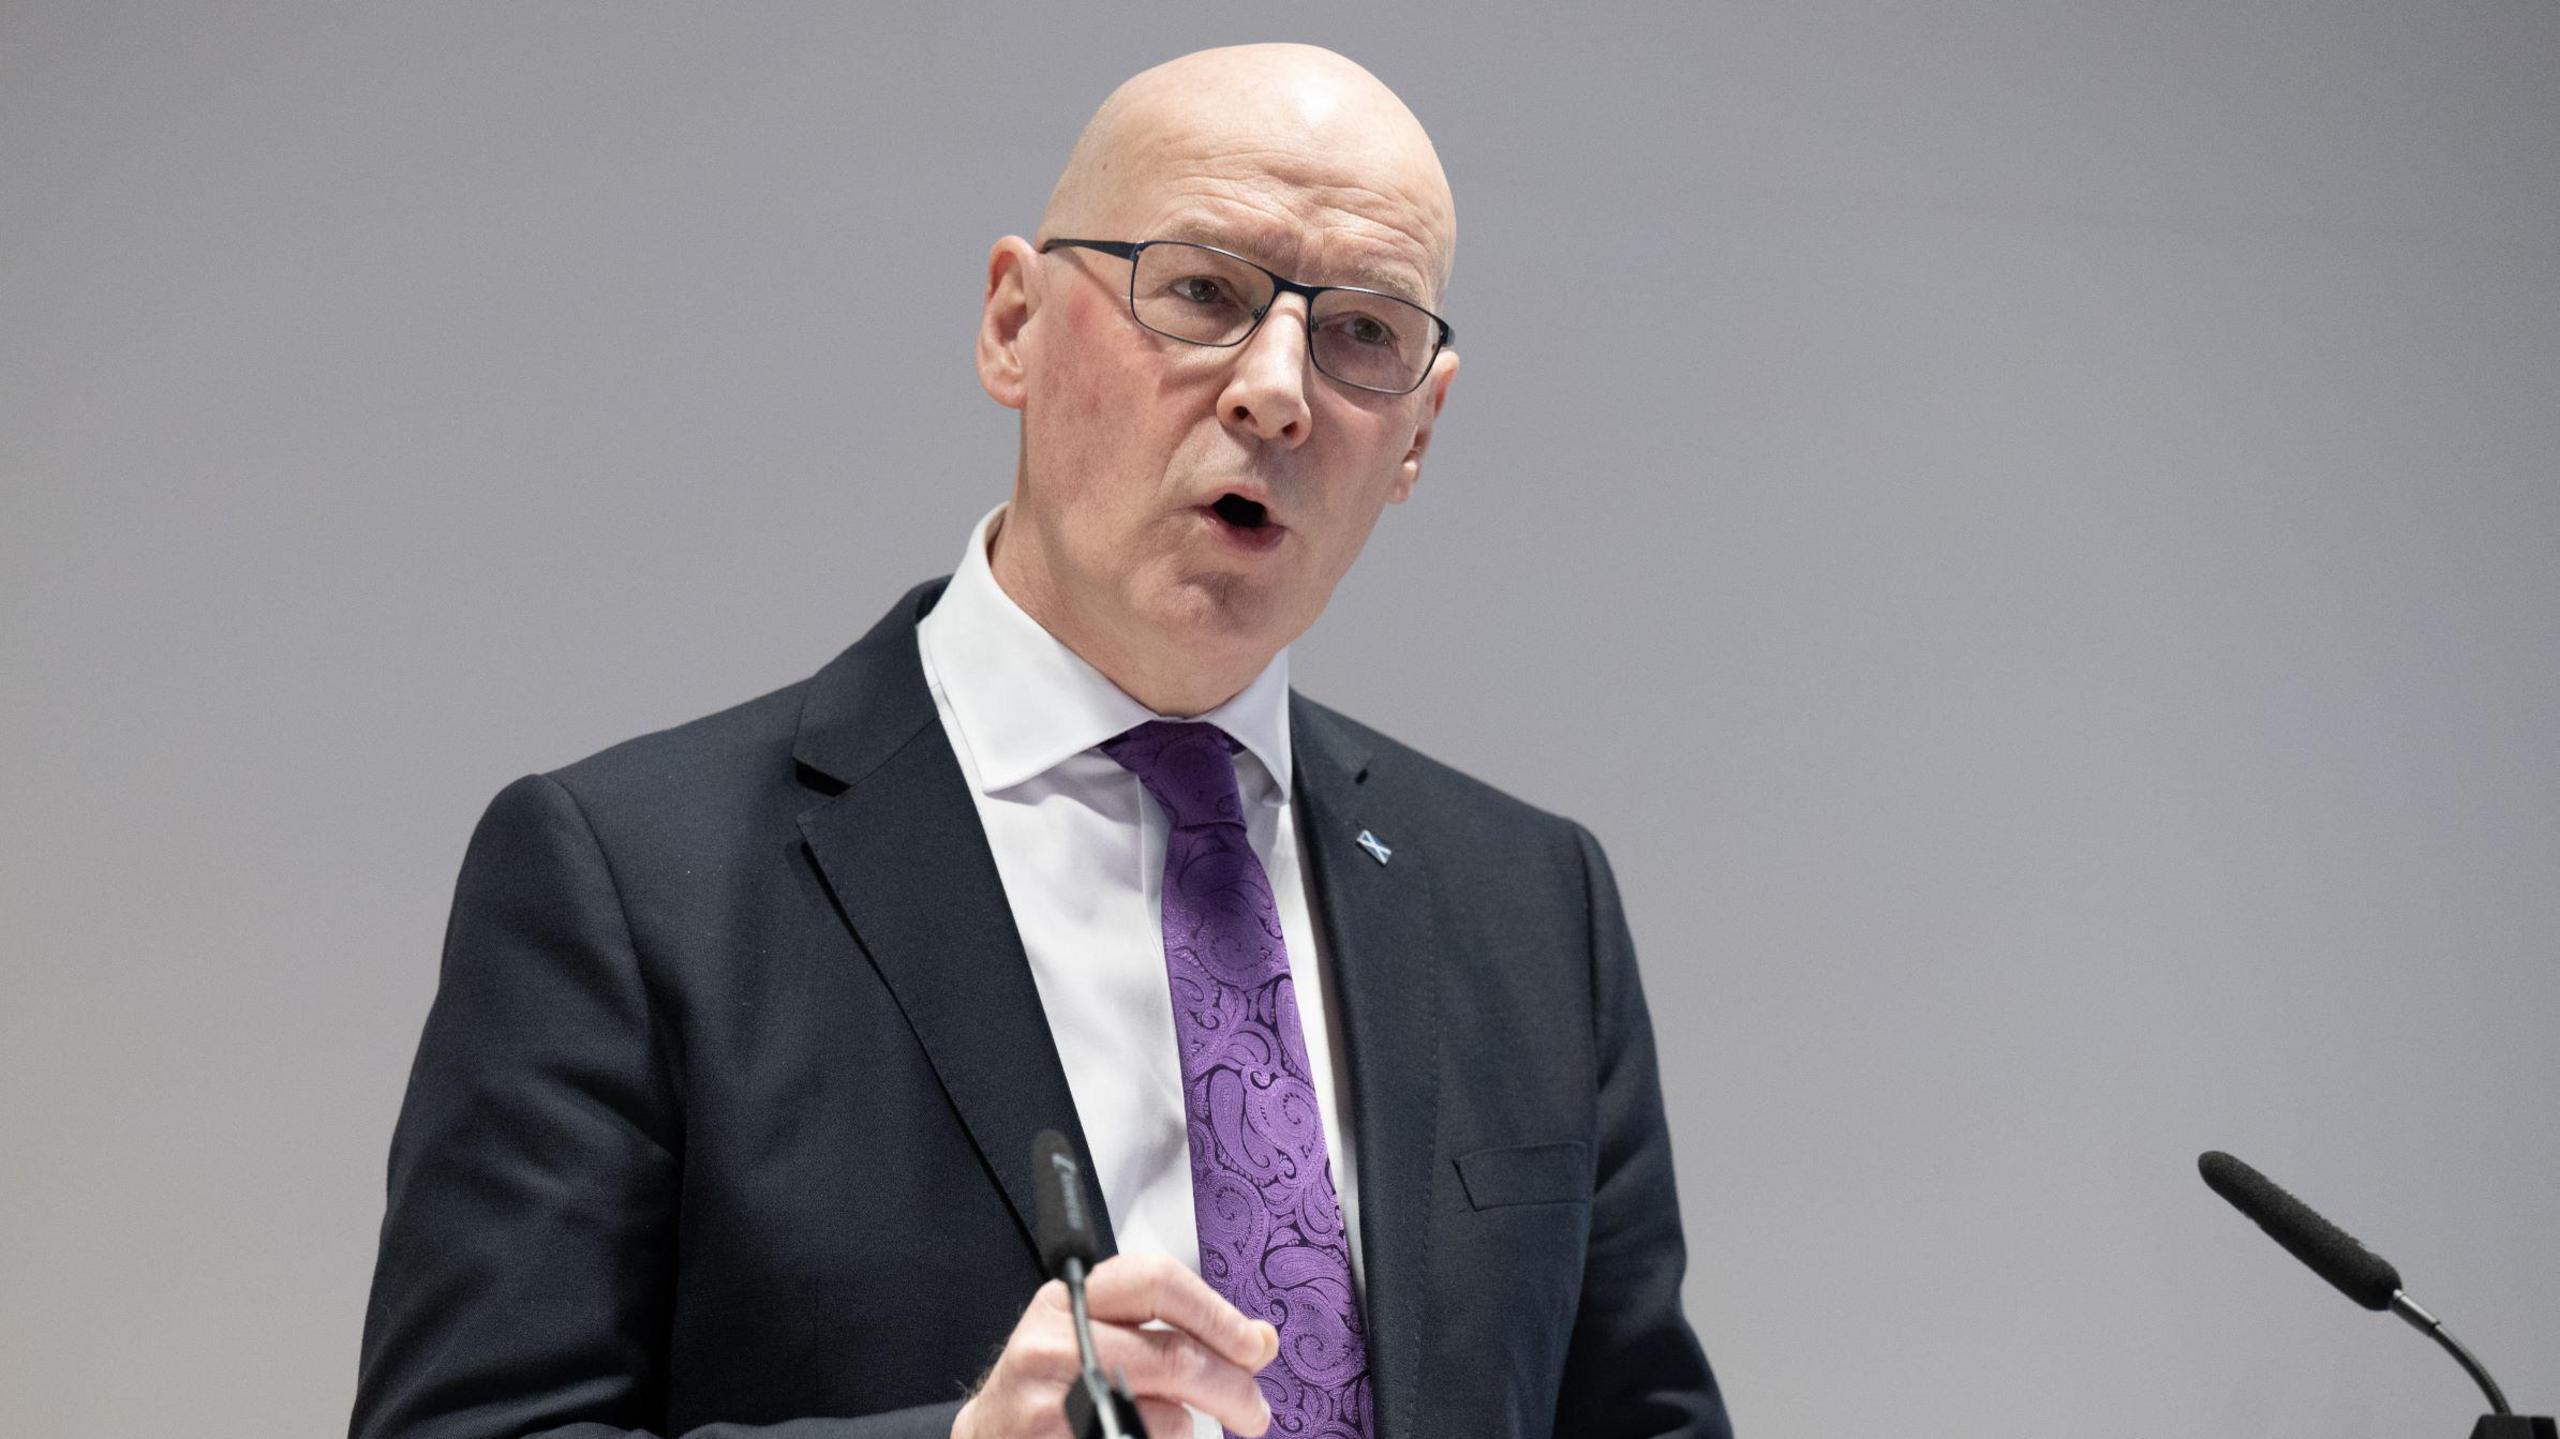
[(1073, 1272), (2429, 1325), (1103, 1401)]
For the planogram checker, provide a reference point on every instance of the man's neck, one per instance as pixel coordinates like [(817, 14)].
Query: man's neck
[(1169, 684)]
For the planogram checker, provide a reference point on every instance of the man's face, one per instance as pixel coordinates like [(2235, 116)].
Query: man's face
[(1138, 448)]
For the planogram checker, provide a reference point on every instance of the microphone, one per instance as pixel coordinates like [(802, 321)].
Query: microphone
[(1069, 1245), (2334, 1255), (1064, 1229)]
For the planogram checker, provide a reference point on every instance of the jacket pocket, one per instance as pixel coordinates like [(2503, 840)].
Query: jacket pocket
[(1557, 1173)]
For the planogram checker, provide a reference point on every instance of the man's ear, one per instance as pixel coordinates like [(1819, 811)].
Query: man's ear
[(1435, 393), (1008, 308)]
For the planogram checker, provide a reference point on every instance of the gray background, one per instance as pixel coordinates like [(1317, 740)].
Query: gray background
[(2028, 529)]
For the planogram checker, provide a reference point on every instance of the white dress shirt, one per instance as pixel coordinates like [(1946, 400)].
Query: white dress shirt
[(1079, 845)]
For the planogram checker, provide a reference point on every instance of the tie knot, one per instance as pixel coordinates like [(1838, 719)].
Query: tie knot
[(1189, 767)]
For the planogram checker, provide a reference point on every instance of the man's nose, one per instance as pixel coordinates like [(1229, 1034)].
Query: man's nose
[(1266, 393)]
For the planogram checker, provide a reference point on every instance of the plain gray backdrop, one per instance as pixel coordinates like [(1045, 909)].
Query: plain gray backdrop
[(2029, 530)]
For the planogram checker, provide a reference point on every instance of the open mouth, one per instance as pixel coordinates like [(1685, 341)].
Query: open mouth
[(1240, 512)]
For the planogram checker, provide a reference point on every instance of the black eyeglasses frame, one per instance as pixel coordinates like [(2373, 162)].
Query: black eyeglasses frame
[(1281, 285)]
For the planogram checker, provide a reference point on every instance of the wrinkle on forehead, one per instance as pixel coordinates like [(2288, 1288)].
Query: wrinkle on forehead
[(1280, 141)]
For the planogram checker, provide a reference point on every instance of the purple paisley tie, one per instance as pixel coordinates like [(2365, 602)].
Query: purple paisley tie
[(1271, 1233)]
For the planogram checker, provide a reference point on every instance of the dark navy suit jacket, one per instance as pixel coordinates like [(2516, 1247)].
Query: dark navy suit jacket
[(723, 1112)]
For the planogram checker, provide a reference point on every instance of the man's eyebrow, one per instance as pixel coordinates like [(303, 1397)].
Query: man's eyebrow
[(1392, 279)]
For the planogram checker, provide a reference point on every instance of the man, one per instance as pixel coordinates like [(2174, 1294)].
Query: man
[(722, 1117)]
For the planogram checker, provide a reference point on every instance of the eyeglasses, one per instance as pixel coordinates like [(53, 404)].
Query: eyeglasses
[(1202, 295)]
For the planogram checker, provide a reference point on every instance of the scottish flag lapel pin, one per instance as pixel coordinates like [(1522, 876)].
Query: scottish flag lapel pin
[(1377, 848)]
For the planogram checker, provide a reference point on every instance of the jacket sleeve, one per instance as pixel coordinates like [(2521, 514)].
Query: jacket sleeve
[(1633, 1367), (527, 1262)]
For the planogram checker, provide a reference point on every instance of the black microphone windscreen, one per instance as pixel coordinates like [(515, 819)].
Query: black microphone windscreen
[(1064, 1229), (2333, 1254)]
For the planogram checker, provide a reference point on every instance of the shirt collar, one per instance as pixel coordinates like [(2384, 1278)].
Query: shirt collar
[(1025, 702)]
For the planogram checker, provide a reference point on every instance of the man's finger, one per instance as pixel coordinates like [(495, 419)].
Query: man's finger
[(1165, 1419), (1169, 1364), (1136, 1288)]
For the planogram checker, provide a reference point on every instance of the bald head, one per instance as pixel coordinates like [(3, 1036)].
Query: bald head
[(1271, 139)]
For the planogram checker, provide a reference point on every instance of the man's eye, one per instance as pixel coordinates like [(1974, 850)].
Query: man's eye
[(1364, 330), (1200, 290)]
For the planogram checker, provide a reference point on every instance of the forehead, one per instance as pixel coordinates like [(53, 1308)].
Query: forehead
[(1318, 221)]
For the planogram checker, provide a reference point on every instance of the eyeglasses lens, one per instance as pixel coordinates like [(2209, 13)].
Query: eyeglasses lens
[(1197, 294)]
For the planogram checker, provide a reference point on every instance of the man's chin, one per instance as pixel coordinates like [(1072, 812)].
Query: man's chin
[(1228, 614), (1219, 605)]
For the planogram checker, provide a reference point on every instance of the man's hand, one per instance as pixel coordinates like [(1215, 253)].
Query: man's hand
[(1206, 1360)]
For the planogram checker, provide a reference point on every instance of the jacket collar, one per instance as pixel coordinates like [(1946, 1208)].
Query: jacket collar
[(870, 700)]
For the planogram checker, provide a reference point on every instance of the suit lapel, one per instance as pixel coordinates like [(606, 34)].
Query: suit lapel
[(1377, 925), (906, 858)]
